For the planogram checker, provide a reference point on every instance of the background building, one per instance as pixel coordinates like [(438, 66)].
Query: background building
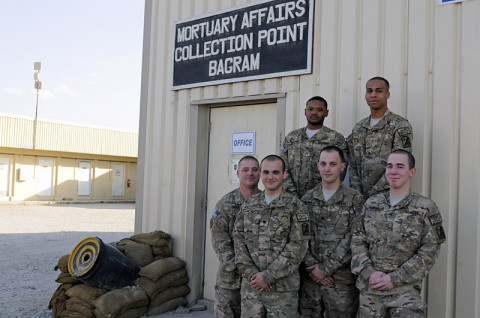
[(429, 52), (69, 162)]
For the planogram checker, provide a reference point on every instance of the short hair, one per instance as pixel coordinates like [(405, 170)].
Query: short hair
[(411, 158), (248, 158), (319, 98), (334, 149), (379, 78), (272, 158)]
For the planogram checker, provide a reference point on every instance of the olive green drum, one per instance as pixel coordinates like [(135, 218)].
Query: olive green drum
[(101, 265)]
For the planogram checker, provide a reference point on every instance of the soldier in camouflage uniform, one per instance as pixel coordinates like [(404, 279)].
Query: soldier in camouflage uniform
[(271, 238), (329, 289), (227, 288), (396, 245), (302, 148), (373, 138)]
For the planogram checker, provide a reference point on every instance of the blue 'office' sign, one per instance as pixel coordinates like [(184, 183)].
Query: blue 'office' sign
[(267, 39)]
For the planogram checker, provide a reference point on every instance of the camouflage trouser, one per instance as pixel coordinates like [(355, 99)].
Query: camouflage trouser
[(227, 303), (260, 304), (408, 304), (338, 301)]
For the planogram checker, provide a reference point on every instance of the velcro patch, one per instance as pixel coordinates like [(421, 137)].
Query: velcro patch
[(357, 208), (303, 217), (404, 131), (305, 229), (440, 233), (406, 142), (215, 213), (435, 219)]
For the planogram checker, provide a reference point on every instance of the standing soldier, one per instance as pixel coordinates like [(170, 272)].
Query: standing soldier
[(227, 289), (374, 138), (330, 286), (396, 245), (302, 148), (271, 238)]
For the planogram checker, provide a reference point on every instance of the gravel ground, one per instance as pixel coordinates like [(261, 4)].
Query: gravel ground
[(32, 239)]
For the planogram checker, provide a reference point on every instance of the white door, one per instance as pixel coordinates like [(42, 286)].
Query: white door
[(44, 177), (118, 179), (260, 119), (4, 176), (84, 178)]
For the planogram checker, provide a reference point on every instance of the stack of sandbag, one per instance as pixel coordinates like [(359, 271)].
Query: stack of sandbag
[(161, 286), (165, 282), (58, 301)]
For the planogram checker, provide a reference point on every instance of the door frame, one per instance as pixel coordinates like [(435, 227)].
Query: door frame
[(196, 205)]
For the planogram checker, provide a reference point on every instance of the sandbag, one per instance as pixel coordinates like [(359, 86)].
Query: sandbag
[(140, 253), (117, 301), (157, 269), (169, 294), (172, 279), (168, 306), (62, 264), (66, 278), (162, 251), (70, 314), (80, 306), (86, 293), (57, 302), (134, 312), (156, 238)]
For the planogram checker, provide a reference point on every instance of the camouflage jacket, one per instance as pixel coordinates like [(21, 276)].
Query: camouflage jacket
[(402, 241), (369, 148), (272, 239), (221, 228), (301, 156), (331, 223)]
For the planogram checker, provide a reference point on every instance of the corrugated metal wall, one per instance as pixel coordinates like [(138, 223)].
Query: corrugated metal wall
[(431, 56), (17, 132)]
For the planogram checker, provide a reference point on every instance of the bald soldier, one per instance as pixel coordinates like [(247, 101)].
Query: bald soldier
[(227, 287), (271, 238), (373, 138), (395, 245), (329, 289)]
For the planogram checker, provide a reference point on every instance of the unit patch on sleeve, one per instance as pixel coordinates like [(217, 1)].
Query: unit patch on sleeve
[(306, 229), (435, 219), (440, 233), (215, 213), (404, 131), (406, 142), (303, 217)]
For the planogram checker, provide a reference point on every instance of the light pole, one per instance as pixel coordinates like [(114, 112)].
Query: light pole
[(37, 66)]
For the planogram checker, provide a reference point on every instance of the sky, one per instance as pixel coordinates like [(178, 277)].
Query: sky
[(91, 55)]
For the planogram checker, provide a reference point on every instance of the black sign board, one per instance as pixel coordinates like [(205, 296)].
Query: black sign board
[(263, 40)]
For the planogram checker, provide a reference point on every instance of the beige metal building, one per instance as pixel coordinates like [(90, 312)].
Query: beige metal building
[(65, 162), (430, 53)]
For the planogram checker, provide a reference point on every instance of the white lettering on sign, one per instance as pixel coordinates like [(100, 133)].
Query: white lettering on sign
[(243, 142), (234, 64)]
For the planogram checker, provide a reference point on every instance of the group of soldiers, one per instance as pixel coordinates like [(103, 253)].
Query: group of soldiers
[(308, 245)]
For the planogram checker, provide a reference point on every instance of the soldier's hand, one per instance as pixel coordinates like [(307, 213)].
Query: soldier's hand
[(258, 282), (327, 281), (380, 281), (315, 273)]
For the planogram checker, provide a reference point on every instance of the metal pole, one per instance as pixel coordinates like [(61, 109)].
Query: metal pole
[(35, 123)]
